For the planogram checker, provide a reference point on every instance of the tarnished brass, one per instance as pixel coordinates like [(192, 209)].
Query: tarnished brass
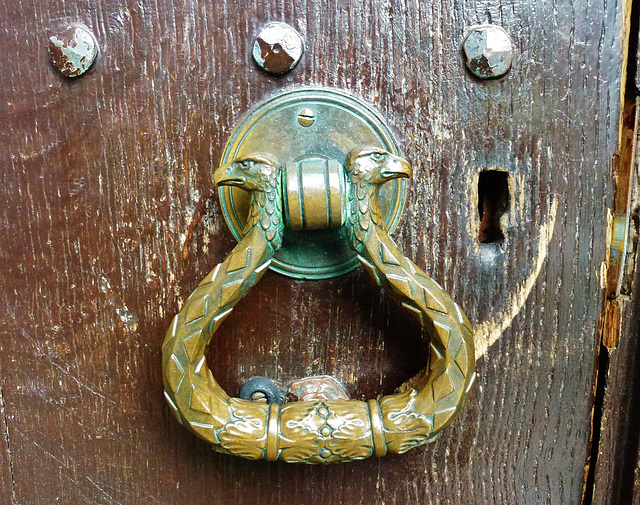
[(318, 387), (296, 126), (314, 194), (321, 431)]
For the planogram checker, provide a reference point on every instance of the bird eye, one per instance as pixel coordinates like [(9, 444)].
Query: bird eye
[(245, 163), (377, 156)]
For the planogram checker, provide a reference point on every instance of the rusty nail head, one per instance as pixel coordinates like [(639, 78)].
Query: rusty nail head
[(278, 48), (73, 50), (488, 50)]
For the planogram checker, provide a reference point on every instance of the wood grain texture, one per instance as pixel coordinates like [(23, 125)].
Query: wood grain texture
[(615, 478), (6, 467), (110, 220), (620, 437), (636, 481)]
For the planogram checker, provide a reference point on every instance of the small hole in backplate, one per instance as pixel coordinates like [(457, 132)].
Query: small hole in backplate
[(493, 203)]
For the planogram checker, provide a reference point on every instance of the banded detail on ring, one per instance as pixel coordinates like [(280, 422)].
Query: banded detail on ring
[(314, 189), (273, 432), (377, 428)]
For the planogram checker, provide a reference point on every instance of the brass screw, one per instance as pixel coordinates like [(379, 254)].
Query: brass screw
[(306, 117)]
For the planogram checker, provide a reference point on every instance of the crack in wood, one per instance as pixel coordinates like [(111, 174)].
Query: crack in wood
[(624, 164), (3, 411)]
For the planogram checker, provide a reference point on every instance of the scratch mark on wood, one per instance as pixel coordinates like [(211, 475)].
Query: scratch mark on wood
[(82, 384), (102, 491), (488, 332)]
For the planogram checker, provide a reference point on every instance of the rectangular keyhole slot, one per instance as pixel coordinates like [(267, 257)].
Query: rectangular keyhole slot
[(493, 203)]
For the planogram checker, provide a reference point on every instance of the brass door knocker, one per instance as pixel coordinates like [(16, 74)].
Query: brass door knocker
[(346, 183)]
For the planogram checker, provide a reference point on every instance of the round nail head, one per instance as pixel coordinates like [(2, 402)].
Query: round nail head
[(489, 51), (73, 50), (278, 48)]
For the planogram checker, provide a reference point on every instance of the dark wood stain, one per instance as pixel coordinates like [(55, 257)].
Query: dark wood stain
[(620, 433), (110, 219)]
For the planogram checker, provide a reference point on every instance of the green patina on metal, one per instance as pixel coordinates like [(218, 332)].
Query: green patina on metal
[(340, 122), (324, 425)]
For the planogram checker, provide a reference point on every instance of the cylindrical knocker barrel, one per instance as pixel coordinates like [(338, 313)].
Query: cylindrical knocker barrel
[(314, 194)]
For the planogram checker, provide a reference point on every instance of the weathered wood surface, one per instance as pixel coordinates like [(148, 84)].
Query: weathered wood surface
[(620, 433), (110, 220), (615, 478)]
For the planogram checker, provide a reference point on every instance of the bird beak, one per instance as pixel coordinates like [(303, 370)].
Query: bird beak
[(396, 167), (228, 175)]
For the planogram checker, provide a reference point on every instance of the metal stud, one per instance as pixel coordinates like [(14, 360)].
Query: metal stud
[(278, 48), (73, 50), (488, 50)]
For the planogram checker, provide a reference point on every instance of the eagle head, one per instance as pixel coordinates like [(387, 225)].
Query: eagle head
[(254, 172), (375, 165)]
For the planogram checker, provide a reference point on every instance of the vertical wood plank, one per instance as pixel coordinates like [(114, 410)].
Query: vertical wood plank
[(6, 468), (111, 219), (619, 440)]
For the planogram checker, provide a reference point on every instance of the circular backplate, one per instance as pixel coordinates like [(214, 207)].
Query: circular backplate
[(307, 122)]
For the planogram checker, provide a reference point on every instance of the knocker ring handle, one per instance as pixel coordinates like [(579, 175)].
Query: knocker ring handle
[(331, 430)]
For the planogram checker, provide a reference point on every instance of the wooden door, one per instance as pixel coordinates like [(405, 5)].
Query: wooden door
[(110, 219)]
